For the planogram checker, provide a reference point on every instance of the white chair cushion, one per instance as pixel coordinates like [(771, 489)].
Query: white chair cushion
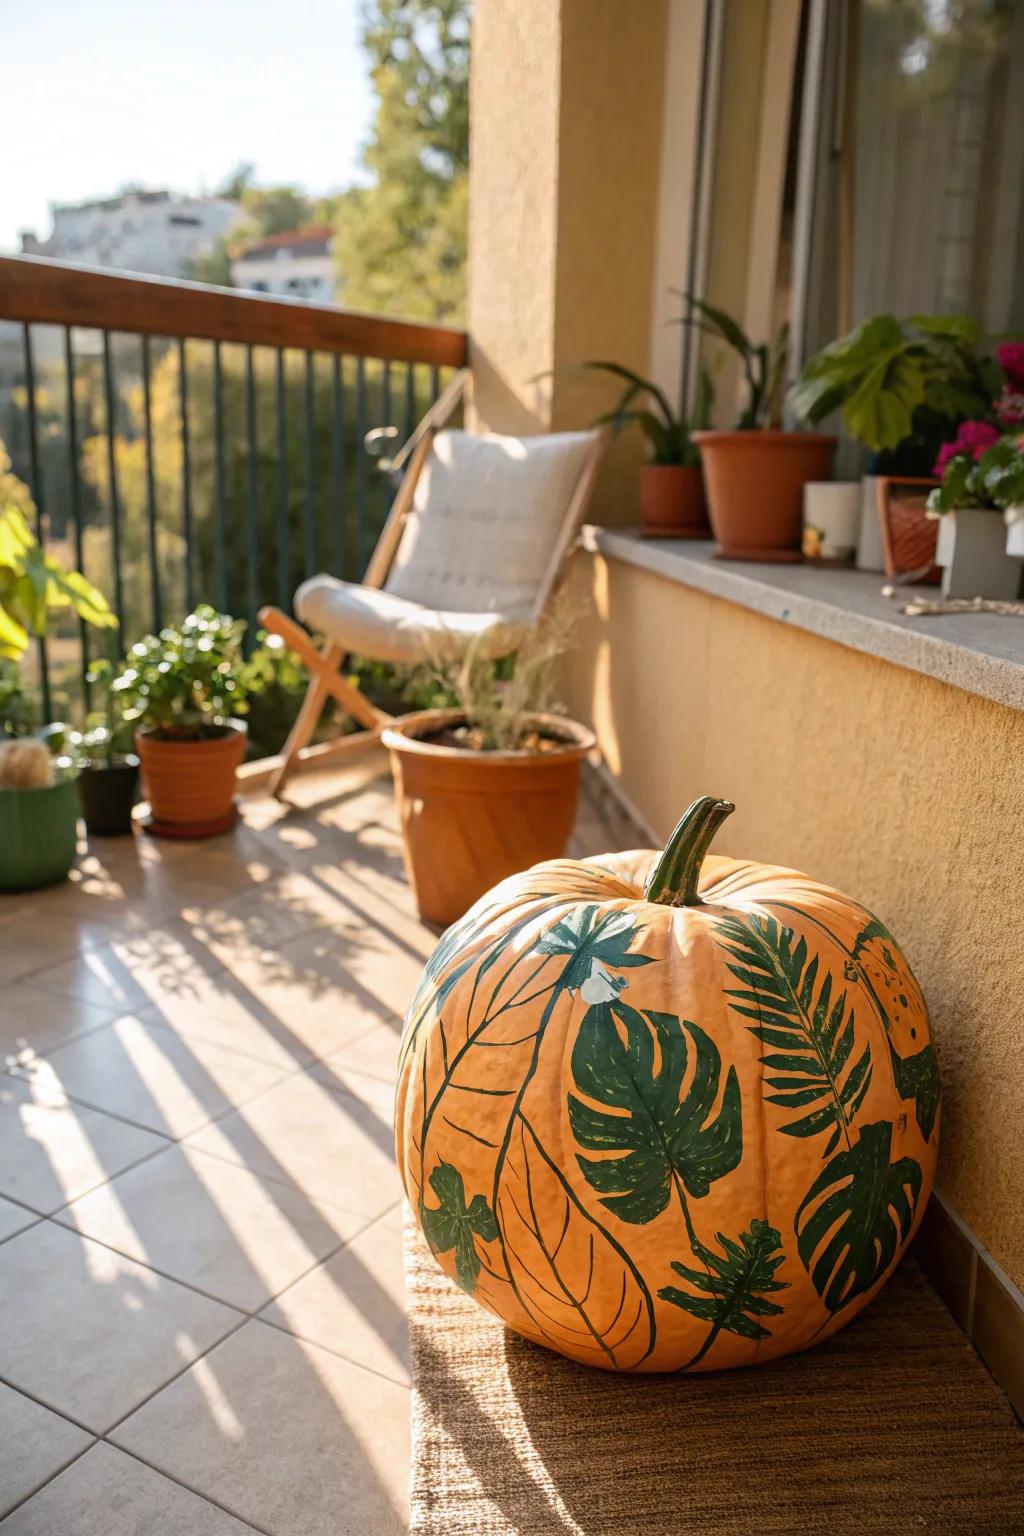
[(390, 628), (486, 518)]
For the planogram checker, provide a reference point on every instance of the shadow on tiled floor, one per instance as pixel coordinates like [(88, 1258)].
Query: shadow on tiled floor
[(200, 1233)]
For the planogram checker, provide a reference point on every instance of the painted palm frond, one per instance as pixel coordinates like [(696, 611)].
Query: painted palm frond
[(804, 1020)]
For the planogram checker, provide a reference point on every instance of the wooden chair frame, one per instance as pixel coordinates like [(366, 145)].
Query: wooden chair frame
[(326, 665)]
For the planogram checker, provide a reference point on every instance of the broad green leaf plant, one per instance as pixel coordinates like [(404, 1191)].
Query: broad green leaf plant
[(899, 380), (33, 585)]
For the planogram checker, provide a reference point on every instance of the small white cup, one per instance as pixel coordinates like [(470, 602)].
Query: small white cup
[(831, 521)]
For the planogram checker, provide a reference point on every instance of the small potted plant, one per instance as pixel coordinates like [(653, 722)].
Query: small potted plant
[(39, 802), (182, 691), (982, 475), (109, 774), (489, 785), (902, 387), (672, 501), (756, 473)]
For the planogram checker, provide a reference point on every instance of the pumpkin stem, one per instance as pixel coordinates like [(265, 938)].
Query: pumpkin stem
[(674, 880)]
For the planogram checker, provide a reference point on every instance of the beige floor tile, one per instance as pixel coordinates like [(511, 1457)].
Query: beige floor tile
[(371, 1091), (213, 1225), (322, 970), (354, 1303), (153, 1076), (314, 987), (335, 1147), (108, 1493), (52, 1151), (375, 1053), (34, 1020), (284, 1434), (14, 1218), (93, 1334), (36, 1445)]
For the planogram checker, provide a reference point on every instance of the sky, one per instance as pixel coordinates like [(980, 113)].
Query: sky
[(175, 93)]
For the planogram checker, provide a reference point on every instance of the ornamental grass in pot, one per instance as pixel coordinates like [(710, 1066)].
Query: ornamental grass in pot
[(183, 690), (487, 785), (672, 502), (755, 474)]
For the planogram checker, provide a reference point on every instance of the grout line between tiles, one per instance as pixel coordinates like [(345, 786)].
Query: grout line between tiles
[(246, 1525)]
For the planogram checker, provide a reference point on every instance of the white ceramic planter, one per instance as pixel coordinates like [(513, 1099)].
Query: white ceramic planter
[(972, 552), (1015, 532)]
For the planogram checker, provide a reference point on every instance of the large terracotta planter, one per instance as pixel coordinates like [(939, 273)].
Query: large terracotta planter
[(469, 819), (38, 835), (190, 785), (755, 484), (672, 502)]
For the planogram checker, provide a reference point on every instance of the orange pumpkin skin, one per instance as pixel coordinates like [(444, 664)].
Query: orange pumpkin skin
[(658, 1136)]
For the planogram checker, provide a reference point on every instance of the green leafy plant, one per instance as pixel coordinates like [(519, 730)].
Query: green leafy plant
[(16, 712), (107, 735), (668, 433), (990, 478), (33, 586), (185, 683), (901, 384), (763, 363)]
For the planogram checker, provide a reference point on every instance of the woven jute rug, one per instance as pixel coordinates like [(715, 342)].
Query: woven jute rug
[(892, 1426)]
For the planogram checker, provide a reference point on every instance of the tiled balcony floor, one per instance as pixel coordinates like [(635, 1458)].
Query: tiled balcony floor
[(200, 1218)]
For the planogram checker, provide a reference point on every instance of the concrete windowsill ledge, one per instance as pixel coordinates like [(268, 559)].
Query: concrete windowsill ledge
[(979, 652)]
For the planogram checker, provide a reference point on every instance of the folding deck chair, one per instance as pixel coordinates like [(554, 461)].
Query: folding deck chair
[(476, 541)]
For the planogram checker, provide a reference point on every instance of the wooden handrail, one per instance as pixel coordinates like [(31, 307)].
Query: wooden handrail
[(51, 293)]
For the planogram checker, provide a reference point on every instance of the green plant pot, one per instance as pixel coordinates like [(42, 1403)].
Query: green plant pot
[(38, 835)]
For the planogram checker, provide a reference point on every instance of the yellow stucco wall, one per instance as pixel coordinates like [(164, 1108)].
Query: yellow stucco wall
[(901, 790), (566, 117)]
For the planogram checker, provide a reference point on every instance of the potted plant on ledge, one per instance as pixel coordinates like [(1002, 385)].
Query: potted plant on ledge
[(982, 476), (672, 501), (489, 786), (902, 387), (182, 690), (756, 472)]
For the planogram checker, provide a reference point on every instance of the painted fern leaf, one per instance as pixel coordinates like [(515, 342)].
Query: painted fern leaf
[(732, 1291), (804, 1020)]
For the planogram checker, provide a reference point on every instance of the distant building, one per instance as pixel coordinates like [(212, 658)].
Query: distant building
[(297, 265), (139, 231)]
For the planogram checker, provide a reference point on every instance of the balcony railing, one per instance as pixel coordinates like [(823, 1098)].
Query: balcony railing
[(186, 444)]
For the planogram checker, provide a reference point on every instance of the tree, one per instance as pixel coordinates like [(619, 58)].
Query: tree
[(401, 242)]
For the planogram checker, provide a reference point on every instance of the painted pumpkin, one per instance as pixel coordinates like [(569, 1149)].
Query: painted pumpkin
[(668, 1112)]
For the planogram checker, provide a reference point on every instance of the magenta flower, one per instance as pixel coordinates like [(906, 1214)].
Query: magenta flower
[(1010, 409), (1011, 361), (972, 437)]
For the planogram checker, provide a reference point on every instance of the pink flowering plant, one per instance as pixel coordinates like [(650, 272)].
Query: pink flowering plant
[(980, 468), (1009, 408)]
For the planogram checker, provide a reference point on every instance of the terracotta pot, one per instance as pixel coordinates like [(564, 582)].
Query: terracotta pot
[(469, 819), (672, 502), (755, 483), (190, 785)]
